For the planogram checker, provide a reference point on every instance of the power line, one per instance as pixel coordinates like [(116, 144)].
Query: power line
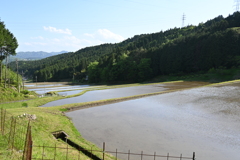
[(183, 19), (237, 4)]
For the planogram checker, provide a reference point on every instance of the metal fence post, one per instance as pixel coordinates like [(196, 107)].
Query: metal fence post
[(128, 154), (27, 153), (14, 130), (193, 156), (103, 150), (10, 133)]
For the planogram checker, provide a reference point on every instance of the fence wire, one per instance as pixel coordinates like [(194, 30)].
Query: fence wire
[(13, 131)]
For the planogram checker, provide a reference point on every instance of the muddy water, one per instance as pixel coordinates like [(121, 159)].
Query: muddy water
[(123, 92), (203, 120)]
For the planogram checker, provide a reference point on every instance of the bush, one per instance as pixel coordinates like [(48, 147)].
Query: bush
[(25, 92)]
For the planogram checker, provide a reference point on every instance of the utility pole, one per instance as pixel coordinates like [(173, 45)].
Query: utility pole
[(17, 76), (36, 80), (237, 4), (9, 75), (5, 82), (183, 19), (23, 80)]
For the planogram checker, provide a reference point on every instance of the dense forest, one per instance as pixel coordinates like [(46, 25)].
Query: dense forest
[(210, 45)]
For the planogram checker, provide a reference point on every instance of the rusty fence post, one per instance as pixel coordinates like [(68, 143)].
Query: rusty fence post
[(27, 153), (193, 156), (103, 150)]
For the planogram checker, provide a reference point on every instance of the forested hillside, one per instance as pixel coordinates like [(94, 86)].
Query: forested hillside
[(209, 45)]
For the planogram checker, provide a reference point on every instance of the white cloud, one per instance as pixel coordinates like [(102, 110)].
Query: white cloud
[(53, 29), (70, 42), (106, 34)]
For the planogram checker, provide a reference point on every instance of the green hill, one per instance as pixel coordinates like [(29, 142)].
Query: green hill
[(178, 51)]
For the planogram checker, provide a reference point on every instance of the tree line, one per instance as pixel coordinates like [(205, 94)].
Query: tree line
[(212, 44), (8, 46)]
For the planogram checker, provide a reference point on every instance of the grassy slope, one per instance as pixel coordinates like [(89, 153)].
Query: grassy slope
[(10, 93)]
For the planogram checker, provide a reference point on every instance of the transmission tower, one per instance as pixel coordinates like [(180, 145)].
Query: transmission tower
[(237, 4), (183, 19)]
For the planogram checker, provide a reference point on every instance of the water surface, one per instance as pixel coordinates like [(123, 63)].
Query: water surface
[(108, 94), (202, 120), (123, 92)]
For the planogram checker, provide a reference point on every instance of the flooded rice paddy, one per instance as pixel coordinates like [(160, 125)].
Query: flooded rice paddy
[(43, 88), (204, 120), (96, 95)]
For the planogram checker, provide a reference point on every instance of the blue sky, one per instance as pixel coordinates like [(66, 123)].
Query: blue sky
[(56, 25)]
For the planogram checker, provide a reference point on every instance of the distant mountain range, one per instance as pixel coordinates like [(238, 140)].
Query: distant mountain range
[(34, 55)]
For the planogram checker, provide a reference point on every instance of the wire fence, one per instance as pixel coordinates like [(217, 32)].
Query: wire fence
[(16, 133), (68, 154), (13, 131)]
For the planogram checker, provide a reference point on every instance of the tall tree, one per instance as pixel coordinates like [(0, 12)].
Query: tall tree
[(8, 46)]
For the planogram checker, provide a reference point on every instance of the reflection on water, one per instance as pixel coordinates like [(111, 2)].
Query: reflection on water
[(108, 94), (50, 89), (123, 92), (202, 120), (67, 93)]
